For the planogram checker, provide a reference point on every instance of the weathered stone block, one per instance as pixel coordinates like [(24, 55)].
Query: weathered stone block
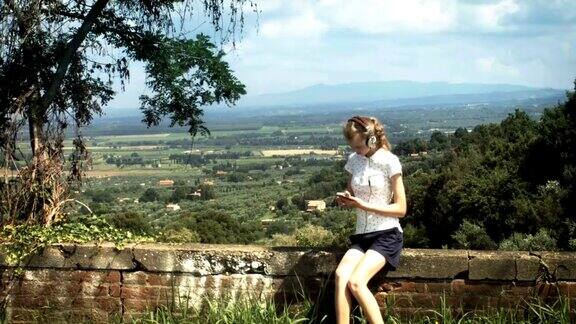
[(497, 265), (431, 263)]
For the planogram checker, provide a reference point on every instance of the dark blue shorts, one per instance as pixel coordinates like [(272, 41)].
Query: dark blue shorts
[(388, 242)]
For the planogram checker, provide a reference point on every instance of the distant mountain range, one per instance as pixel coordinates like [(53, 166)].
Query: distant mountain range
[(376, 91), (380, 95)]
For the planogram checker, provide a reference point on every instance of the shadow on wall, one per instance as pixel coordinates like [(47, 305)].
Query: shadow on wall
[(303, 282)]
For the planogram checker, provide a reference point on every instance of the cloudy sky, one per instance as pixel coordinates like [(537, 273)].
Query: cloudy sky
[(298, 43)]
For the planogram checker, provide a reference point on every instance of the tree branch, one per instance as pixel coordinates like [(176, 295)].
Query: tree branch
[(72, 47)]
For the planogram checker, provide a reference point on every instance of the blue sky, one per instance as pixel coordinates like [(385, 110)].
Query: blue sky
[(299, 43)]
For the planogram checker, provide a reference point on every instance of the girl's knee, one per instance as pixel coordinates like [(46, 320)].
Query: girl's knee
[(340, 273), (355, 283), (344, 271), (341, 279)]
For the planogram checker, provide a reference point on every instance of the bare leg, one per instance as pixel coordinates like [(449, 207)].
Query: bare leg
[(343, 298), (370, 264)]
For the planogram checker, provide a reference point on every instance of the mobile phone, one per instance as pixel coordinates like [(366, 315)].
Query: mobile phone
[(342, 194)]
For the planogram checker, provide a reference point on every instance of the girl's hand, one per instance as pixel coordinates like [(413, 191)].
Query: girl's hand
[(347, 200)]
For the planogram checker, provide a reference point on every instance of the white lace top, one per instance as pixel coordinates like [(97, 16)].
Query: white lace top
[(371, 182)]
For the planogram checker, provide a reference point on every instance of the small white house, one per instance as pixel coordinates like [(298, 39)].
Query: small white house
[(173, 207), (313, 205)]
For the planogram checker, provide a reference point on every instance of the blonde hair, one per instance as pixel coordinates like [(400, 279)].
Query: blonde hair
[(353, 128)]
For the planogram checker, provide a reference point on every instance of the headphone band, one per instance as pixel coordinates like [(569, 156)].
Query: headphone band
[(360, 120)]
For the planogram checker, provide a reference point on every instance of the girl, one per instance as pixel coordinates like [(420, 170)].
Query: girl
[(376, 177)]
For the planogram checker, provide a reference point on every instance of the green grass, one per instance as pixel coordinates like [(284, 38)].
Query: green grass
[(533, 311), (226, 312)]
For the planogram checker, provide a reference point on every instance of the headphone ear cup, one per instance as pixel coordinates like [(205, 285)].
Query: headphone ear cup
[(371, 141)]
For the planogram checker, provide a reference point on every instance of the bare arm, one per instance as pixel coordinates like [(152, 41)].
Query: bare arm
[(398, 207)]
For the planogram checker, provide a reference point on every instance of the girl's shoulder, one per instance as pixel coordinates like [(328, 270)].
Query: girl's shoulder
[(385, 156), (388, 162), (352, 163)]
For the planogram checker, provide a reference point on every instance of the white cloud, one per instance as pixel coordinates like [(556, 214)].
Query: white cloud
[(385, 16), (389, 16), (489, 16), (494, 66), (303, 25)]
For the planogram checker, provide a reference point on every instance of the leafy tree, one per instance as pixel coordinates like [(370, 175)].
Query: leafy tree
[(341, 222), (314, 236), (550, 161), (282, 204), (132, 221), (282, 240), (219, 227), (179, 193), (102, 196), (411, 146), (150, 195), (473, 236), (207, 191), (179, 235), (415, 237), (460, 133), (54, 55), (541, 241), (499, 180), (438, 140), (299, 201), (279, 227)]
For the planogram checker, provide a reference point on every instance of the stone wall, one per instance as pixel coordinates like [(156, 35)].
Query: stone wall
[(79, 282)]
